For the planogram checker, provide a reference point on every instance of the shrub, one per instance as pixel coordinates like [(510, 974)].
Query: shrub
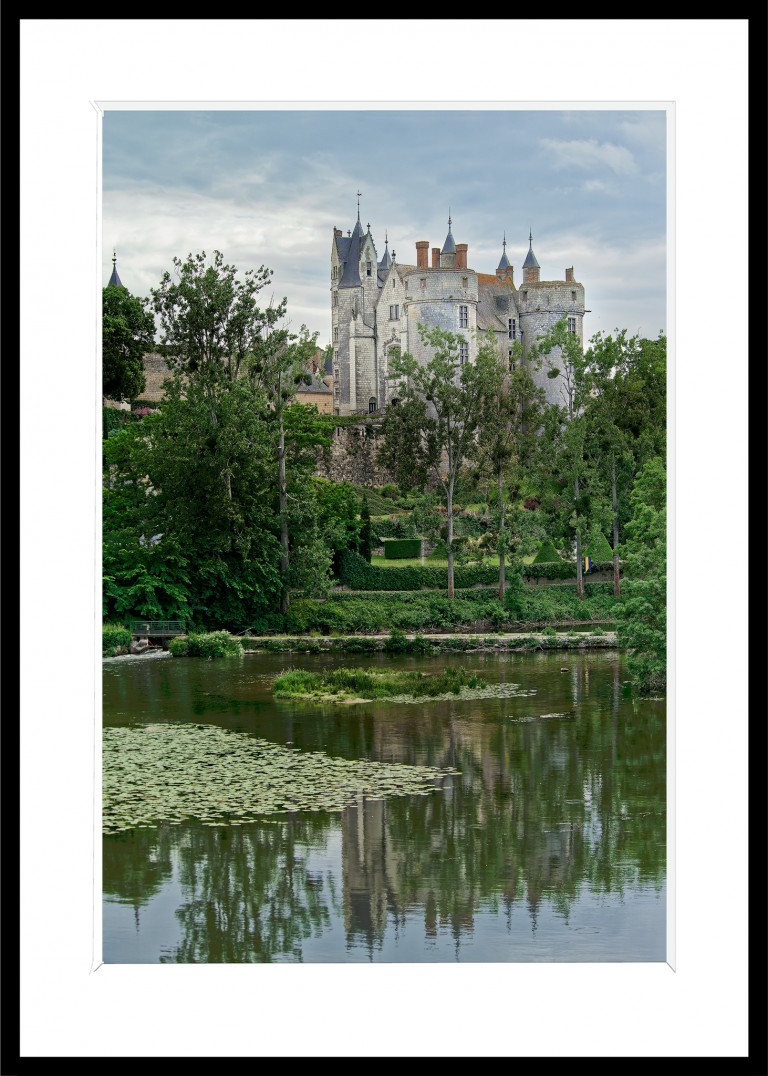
[(213, 644), (402, 548), (179, 647), (115, 639), (547, 554), (599, 549)]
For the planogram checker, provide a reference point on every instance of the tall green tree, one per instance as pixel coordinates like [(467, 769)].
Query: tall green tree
[(127, 333), (216, 336), (641, 616), (278, 367), (507, 443), (210, 462), (146, 573), (432, 431), (568, 478), (626, 416)]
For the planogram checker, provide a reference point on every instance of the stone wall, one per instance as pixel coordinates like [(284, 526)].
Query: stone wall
[(352, 457), (155, 371)]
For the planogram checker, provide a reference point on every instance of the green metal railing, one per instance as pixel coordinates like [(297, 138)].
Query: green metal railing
[(158, 627)]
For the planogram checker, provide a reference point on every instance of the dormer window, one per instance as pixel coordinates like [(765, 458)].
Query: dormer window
[(367, 268)]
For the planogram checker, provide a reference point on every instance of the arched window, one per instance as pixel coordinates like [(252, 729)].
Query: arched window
[(371, 405), (394, 402)]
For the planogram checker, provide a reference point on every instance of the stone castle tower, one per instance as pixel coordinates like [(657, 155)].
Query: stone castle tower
[(378, 304)]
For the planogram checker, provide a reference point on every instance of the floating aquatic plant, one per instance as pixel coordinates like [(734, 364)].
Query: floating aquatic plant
[(367, 685), (172, 773)]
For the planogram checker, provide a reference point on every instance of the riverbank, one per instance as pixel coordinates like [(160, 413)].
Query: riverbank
[(402, 642)]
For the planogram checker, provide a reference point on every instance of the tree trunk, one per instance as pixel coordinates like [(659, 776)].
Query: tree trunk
[(579, 566), (615, 503), (451, 589), (283, 488), (502, 562)]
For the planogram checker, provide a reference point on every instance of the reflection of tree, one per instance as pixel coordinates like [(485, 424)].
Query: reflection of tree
[(539, 809), (249, 896), (136, 865)]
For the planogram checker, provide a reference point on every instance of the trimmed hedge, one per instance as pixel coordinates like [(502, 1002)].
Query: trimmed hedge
[(401, 548), (357, 573), (547, 554), (599, 549)]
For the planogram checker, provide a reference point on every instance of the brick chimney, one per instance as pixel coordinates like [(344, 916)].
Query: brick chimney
[(422, 245), (461, 255), (569, 275), (435, 257)]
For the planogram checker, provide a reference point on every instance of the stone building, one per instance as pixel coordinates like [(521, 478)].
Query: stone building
[(378, 304)]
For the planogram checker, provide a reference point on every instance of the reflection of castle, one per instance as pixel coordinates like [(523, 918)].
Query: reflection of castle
[(378, 304)]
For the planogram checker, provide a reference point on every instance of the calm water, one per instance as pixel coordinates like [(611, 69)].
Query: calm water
[(549, 845)]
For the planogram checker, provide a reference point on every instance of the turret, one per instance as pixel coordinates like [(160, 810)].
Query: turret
[(114, 280), (531, 268)]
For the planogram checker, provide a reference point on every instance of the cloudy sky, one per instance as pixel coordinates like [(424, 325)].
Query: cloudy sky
[(266, 186)]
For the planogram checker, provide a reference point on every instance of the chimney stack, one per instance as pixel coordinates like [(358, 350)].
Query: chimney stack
[(461, 255), (422, 245), (435, 257), (569, 275)]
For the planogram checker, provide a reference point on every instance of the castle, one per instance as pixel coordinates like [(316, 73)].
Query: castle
[(378, 304)]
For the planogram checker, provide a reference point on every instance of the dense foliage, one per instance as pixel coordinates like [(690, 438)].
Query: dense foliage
[(127, 332), (213, 511)]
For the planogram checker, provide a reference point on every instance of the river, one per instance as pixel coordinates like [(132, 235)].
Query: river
[(541, 837)]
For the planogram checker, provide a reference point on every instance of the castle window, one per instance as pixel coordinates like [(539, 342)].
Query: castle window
[(367, 268), (335, 298), (463, 353), (394, 312), (525, 294), (512, 328), (394, 402), (571, 325), (336, 334), (371, 405), (511, 362), (463, 317), (333, 272), (573, 296), (423, 282), (464, 282)]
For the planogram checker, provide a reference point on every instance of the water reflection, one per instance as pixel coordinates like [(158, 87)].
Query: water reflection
[(550, 844)]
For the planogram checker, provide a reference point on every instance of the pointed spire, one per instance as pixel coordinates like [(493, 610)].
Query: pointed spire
[(530, 258), (449, 246), (114, 279), (504, 262), (386, 261)]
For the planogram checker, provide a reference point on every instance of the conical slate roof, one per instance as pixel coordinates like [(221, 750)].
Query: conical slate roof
[(449, 246), (504, 263), (351, 275), (386, 261), (530, 258), (114, 279)]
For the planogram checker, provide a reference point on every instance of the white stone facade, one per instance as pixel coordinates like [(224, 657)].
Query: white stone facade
[(377, 304)]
